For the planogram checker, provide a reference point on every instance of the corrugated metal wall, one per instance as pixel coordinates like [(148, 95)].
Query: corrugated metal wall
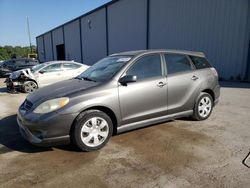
[(220, 28), (48, 47), (93, 28), (40, 48), (57, 38), (217, 27), (127, 25), (72, 41)]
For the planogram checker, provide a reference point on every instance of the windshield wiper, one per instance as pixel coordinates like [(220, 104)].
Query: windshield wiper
[(78, 78)]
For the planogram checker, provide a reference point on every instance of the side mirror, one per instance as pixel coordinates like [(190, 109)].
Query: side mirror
[(42, 71), (127, 79)]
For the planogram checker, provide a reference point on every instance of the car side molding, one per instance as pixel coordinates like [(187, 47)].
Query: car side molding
[(144, 123)]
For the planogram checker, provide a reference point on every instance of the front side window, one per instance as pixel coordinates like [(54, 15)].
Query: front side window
[(52, 68), (200, 62), (146, 67), (177, 63), (37, 67), (9, 64), (105, 69)]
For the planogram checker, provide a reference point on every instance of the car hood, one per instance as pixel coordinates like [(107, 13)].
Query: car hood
[(26, 72), (60, 89)]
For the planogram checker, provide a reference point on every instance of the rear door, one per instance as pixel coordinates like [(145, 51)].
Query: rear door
[(183, 83), (71, 70), (50, 74), (147, 97)]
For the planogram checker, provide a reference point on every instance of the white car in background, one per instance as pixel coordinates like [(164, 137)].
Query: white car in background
[(28, 80)]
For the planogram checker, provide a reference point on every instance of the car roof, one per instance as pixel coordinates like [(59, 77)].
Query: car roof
[(54, 62), (142, 52)]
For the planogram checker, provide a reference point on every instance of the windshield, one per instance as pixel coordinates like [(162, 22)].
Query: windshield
[(105, 69), (37, 67)]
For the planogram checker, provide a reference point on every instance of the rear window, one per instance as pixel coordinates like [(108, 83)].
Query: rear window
[(200, 62)]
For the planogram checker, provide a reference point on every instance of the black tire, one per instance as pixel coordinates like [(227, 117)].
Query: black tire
[(80, 121), (197, 114), (30, 86)]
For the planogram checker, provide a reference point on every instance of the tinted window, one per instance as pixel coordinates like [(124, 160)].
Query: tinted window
[(70, 66), (31, 62), (146, 67), (52, 68), (19, 63), (9, 64), (177, 63), (200, 63)]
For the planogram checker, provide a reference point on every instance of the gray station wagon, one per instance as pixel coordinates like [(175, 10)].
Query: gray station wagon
[(121, 92)]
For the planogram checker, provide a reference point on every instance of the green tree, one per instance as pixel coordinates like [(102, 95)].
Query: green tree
[(7, 52)]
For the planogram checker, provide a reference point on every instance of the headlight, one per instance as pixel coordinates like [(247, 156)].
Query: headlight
[(51, 105)]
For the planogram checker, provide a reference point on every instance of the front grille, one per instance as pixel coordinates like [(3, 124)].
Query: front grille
[(27, 105)]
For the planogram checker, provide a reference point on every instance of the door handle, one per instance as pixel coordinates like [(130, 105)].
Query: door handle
[(194, 78), (161, 84)]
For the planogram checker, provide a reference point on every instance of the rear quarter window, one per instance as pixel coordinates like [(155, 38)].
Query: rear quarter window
[(200, 62), (70, 66)]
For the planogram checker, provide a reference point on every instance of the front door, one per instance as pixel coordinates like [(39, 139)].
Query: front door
[(50, 74), (147, 97)]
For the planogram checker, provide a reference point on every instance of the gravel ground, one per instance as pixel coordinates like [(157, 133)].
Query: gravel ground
[(181, 153)]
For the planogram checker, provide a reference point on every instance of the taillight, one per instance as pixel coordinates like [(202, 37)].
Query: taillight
[(214, 71)]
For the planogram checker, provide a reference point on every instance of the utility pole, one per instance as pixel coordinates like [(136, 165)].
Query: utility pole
[(28, 25)]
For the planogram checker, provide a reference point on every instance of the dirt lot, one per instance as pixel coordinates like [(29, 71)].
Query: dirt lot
[(181, 153)]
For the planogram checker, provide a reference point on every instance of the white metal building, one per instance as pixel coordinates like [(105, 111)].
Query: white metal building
[(219, 28)]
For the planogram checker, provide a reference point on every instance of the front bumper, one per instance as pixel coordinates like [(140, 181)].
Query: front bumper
[(4, 73), (45, 130), (12, 85)]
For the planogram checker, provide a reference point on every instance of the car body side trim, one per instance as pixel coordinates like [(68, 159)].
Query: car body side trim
[(147, 122)]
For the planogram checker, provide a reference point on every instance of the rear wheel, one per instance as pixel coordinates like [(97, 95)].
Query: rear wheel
[(91, 130), (30, 86), (203, 107)]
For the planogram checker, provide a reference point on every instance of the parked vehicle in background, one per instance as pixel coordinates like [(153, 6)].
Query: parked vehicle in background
[(9, 66), (28, 80), (121, 92)]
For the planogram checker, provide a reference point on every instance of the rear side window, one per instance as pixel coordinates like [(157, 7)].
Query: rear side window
[(146, 67), (200, 62), (70, 66), (177, 63)]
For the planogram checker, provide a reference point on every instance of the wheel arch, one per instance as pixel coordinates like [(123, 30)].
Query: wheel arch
[(210, 92), (32, 81), (104, 109)]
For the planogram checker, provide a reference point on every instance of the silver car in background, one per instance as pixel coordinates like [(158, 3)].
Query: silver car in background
[(121, 92), (28, 80)]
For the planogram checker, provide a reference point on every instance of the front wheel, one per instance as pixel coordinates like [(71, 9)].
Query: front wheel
[(29, 86), (92, 130), (203, 106)]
